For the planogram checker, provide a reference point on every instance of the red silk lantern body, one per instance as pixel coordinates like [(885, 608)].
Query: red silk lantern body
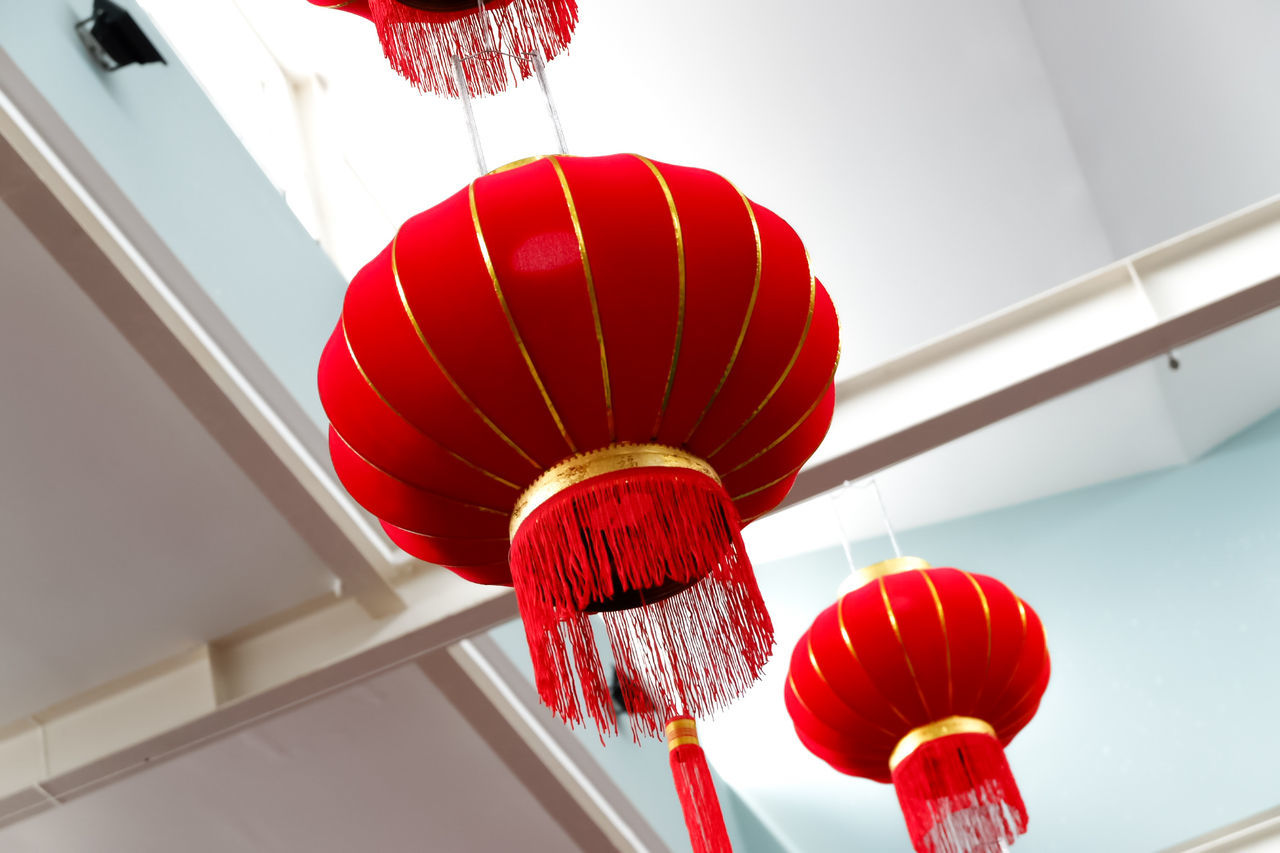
[(920, 678), (639, 354), (421, 37)]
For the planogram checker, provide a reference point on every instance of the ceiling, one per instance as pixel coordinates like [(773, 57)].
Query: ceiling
[(129, 534), (942, 179), (952, 168), (387, 765), (1157, 589), (1156, 605), (1142, 419)]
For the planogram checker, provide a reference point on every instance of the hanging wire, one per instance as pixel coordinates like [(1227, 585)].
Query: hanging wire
[(540, 68), (486, 33), (854, 579), (489, 49), (460, 75), (884, 516), (844, 533)]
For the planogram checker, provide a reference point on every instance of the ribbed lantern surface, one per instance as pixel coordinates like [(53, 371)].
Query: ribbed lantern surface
[(920, 677), (580, 376)]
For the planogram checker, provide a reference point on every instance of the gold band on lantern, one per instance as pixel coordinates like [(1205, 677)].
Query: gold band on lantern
[(884, 568), (945, 727), (681, 732), (516, 164), (581, 467)]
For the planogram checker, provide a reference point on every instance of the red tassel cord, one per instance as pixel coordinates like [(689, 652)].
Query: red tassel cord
[(658, 552), (696, 789), (958, 796), (420, 43)]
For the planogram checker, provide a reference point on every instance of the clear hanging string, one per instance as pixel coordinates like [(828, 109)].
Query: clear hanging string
[(486, 32), (855, 578), (844, 533), (491, 49), (884, 517)]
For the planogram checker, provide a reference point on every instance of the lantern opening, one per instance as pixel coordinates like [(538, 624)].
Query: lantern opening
[(630, 525), (626, 599), (956, 790)]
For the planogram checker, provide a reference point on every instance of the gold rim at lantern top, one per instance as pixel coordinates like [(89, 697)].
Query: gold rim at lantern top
[(516, 164), (622, 456), (869, 574)]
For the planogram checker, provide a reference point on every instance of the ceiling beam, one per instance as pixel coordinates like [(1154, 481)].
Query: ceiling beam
[(1136, 309), (162, 711), (82, 218), (483, 685), (1254, 834), (387, 609)]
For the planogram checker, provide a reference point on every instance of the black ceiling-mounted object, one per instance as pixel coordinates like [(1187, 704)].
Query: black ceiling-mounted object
[(615, 692), (114, 38)]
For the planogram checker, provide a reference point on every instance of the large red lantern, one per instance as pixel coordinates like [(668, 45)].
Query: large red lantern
[(921, 677), (421, 38), (580, 376)]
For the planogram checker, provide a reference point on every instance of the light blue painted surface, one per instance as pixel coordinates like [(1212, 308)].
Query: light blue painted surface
[(158, 136)]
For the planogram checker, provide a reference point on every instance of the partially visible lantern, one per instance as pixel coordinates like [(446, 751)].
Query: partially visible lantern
[(580, 377), (921, 677), (499, 38)]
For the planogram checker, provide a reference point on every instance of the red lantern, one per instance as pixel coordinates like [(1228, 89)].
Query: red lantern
[(421, 38), (579, 376), (921, 677)]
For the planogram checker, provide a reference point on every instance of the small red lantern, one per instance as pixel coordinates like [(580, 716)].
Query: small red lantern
[(921, 677), (580, 377), (421, 38)]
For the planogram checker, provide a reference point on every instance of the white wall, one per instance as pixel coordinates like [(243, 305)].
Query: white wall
[(175, 160), (916, 145), (1171, 105)]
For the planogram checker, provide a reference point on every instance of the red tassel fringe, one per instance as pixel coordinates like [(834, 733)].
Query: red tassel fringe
[(690, 653), (697, 791), (958, 795), (420, 45)]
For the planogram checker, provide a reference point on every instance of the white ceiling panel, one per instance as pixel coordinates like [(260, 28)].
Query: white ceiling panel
[(387, 766), (1224, 383), (1142, 419), (917, 148), (128, 534)]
